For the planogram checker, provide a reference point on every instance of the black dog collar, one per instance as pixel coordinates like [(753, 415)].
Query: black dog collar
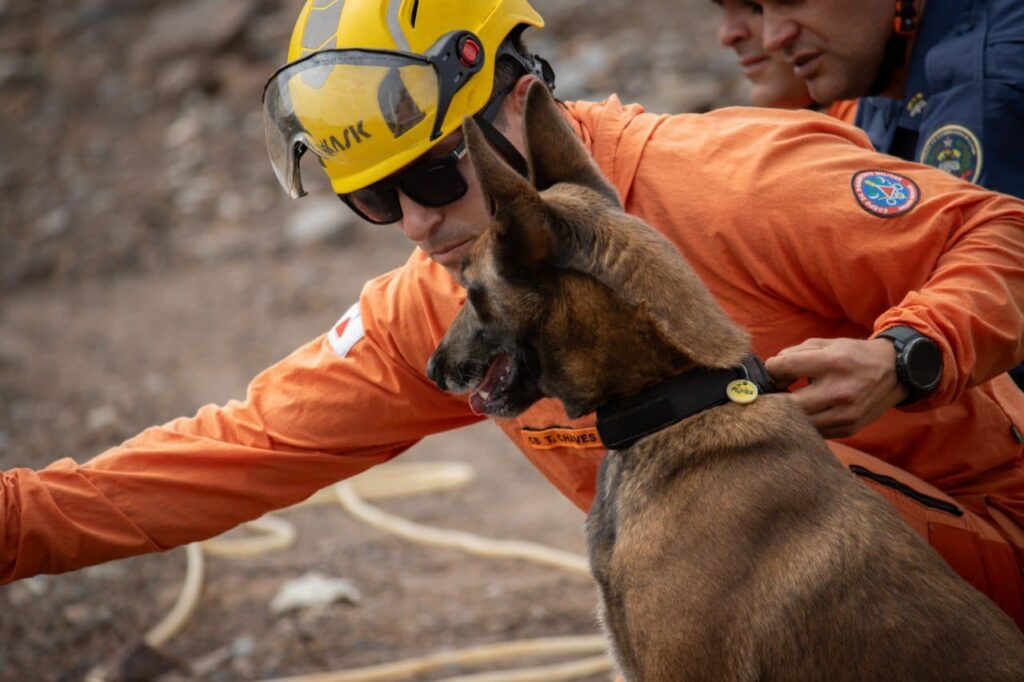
[(620, 423)]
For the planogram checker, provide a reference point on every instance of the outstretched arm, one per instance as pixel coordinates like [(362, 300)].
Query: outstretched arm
[(314, 418)]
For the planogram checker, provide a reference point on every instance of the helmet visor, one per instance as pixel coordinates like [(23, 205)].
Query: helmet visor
[(352, 108)]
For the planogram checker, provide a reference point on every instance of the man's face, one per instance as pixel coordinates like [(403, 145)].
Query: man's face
[(772, 83), (447, 233), (835, 46)]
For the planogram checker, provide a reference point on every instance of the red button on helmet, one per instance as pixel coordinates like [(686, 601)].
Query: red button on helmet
[(469, 52)]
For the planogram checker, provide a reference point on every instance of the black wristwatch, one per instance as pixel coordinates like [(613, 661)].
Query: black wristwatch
[(918, 362)]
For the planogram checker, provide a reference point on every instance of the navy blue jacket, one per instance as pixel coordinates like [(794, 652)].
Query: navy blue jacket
[(963, 106)]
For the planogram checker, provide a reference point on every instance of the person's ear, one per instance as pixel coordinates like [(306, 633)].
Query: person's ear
[(510, 117), (515, 101)]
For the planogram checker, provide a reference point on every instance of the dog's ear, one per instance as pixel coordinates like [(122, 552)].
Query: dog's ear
[(519, 216), (555, 153)]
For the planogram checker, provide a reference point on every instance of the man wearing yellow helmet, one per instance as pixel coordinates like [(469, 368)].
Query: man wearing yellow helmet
[(886, 282), (404, 80)]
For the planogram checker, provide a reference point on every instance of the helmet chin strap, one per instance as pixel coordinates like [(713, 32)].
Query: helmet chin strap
[(504, 146), (904, 24)]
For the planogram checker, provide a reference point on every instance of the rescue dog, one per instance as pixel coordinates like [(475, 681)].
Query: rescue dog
[(730, 545)]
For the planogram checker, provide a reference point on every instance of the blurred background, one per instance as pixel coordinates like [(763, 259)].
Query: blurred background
[(149, 264)]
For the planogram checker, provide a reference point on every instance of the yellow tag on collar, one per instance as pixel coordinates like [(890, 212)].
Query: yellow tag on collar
[(741, 391)]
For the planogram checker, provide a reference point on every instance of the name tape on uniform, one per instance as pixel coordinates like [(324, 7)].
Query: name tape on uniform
[(548, 439)]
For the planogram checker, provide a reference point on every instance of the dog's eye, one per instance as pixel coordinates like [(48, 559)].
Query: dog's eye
[(477, 296), (478, 299)]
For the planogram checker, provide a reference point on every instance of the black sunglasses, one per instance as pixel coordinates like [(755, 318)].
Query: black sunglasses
[(431, 182)]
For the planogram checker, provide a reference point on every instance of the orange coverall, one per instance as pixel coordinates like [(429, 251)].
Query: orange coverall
[(845, 110), (760, 203)]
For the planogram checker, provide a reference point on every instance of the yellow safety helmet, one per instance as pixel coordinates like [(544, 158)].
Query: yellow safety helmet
[(371, 85)]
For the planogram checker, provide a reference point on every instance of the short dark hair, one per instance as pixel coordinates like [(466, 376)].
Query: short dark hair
[(508, 69)]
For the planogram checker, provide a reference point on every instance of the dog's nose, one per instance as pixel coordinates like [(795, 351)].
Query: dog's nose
[(434, 369)]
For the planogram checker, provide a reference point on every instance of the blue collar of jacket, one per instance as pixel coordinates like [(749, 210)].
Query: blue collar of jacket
[(940, 19)]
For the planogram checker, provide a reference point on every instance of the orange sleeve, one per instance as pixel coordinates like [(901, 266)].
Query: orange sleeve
[(773, 199), (312, 419)]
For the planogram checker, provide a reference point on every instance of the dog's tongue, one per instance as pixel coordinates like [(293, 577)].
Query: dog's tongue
[(499, 365)]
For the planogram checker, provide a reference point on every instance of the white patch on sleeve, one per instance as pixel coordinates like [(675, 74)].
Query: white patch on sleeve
[(346, 332)]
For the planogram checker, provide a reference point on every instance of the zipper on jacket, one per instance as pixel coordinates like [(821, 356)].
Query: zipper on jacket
[(890, 482)]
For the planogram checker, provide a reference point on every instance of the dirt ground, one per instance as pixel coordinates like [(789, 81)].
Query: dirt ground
[(150, 265)]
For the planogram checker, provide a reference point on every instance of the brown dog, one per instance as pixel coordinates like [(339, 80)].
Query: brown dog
[(730, 545)]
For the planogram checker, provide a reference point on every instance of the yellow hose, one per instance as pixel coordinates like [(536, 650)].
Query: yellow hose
[(475, 656), (550, 673), (186, 602), (467, 542), (274, 533)]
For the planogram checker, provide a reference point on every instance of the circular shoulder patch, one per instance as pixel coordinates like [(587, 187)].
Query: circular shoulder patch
[(885, 194), (954, 149)]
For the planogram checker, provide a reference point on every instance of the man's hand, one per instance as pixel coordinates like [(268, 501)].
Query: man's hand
[(852, 382)]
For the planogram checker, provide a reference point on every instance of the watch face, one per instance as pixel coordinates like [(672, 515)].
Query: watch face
[(923, 362)]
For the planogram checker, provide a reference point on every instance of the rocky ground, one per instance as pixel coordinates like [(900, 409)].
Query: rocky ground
[(149, 264)]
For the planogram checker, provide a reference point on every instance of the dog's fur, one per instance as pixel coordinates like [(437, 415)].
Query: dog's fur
[(731, 545)]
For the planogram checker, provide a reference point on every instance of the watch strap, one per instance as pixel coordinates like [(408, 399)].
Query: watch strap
[(902, 337)]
